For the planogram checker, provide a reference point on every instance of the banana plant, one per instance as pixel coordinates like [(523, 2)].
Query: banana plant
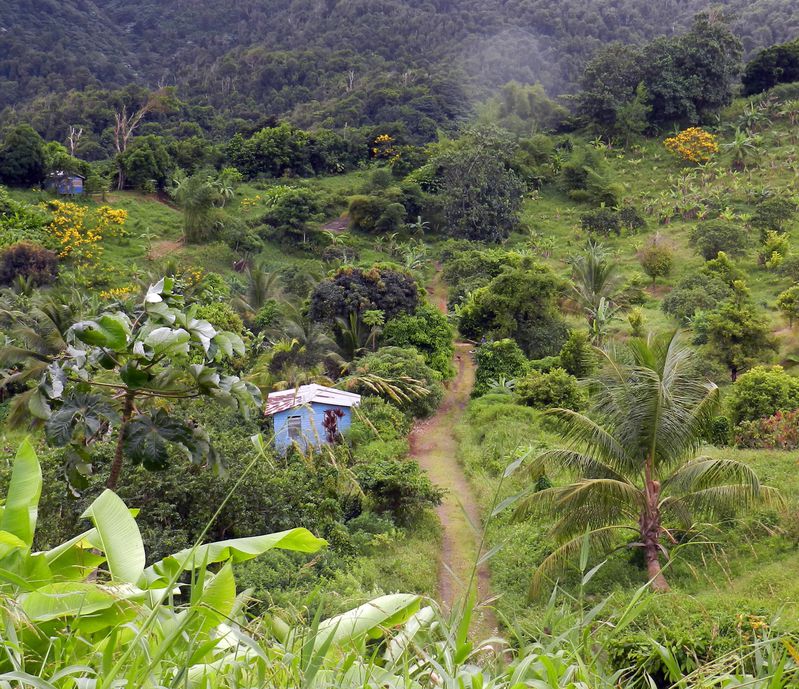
[(90, 613)]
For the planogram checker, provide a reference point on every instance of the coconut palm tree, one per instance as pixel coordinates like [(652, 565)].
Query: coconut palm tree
[(262, 286), (634, 459), (595, 279)]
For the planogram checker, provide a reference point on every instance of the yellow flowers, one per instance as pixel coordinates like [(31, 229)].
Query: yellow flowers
[(117, 293), (383, 147), (694, 145), (80, 235), (249, 203)]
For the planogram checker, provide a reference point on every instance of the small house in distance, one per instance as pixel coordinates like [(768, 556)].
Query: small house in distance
[(310, 416), (66, 183)]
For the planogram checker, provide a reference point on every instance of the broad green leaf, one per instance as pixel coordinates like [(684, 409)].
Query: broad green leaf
[(10, 542), (367, 621), (147, 435), (22, 499), (85, 413), (235, 549), (202, 331), (218, 596), (110, 331), (74, 558), (134, 377), (118, 536), (65, 599), (37, 405), (168, 342)]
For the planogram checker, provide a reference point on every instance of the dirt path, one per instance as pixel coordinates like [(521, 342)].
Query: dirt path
[(434, 446)]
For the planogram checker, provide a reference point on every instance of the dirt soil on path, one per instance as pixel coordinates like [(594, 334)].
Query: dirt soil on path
[(434, 446)]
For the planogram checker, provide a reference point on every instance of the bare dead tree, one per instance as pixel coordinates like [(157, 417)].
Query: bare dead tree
[(126, 123), (74, 138), (350, 80)]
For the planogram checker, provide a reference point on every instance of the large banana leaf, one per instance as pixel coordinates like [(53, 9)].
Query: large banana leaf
[(371, 620), (117, 535), (22, 500), (65, 599), (235, 550), (75, 558)]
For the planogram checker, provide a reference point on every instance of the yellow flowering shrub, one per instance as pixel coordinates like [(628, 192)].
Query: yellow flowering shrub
[(694, 145), (383, 147), (111, 221), (117, 293), (249, 203), (79, 234)]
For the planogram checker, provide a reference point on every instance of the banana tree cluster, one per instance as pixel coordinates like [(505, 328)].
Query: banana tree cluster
[(90, 614), (122, 373)]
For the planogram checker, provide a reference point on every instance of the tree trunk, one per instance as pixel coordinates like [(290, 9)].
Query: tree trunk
[(649, 525), (653, 570), (116, 465)]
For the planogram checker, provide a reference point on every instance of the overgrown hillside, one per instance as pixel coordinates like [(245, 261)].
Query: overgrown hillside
[(503, 397)]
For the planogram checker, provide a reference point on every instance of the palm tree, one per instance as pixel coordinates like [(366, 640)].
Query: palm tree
[(635, 463), (595, 280), (262, 286), (742, 148), (196, 195), (35, 333)]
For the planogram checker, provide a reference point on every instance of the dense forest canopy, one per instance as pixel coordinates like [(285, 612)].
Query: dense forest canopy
[(337, 62)]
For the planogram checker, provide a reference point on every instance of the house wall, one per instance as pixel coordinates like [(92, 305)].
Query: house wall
[(313, 430), (66, 185)]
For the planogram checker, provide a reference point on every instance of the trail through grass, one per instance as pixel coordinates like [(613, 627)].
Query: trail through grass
[(435, 447)]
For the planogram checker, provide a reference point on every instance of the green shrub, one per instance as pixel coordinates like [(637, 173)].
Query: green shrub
[(544, 365), (395, 363), (555, 389), (656, 258), (577, 356), (372, 214), (695, 292), (401, 489), (773, 214), (267, 316), (376, 419), (221, 316), (761, 392), (429, 331), (720, 431), (495, 360), (604, 221), (713, 236), (631, 219), (29, 261)]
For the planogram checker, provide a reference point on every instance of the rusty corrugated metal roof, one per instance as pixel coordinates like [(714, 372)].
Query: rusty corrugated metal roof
[(308, 394)]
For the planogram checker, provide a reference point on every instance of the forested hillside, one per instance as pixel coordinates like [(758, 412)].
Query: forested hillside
[(337, 61)]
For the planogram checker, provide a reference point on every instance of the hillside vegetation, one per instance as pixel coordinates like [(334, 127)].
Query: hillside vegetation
[(603, 494)]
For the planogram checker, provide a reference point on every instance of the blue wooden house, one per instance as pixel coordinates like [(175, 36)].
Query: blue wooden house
[(310, 416), (66, 183)]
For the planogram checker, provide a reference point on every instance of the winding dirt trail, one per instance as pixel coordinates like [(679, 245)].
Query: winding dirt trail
[(434, 446)]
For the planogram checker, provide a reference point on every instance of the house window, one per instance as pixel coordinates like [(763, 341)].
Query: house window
[(294, 424)]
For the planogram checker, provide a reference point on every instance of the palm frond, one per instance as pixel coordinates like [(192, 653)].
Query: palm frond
[(584, 432), (573, 461), (600, 540), (730, 498), (707, 472)]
